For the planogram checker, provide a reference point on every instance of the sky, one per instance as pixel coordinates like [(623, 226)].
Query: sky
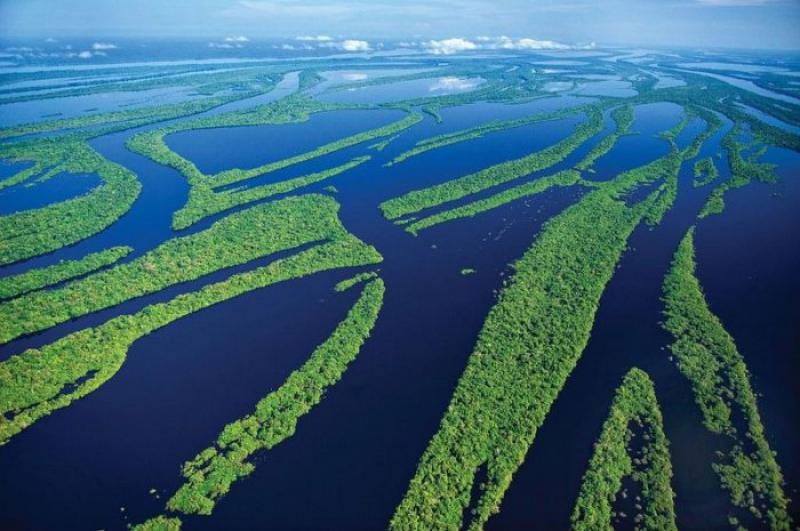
[(756, 24)]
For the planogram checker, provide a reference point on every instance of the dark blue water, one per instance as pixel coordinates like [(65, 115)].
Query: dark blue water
[(215, 150), (12, 114), (349, 463), (747, 261), (164, 191), (7, 169), (640, 147), (54, 190), (626, 334), (158, 450)]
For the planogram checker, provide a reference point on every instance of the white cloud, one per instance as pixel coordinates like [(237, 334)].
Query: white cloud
[(222, 45), (453, 84), (50, 40), (352, 45), (450, 46), (483, 42), (86, 54), (238, 38), (533, 44), (316, 38), (104, 46), (507, 43), (354, 76)]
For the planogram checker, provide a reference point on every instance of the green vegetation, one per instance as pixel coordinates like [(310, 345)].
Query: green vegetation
[(743, 171), (233, 176), (39, 381), (200, 79), (562, 178), (634, 417), (418, 200), (43, 230), (667, 167), (708, 357), (204, 201), (287, 110), (36, 279), (237, 239), (713, 124), (380, 146), (21, 176), (249, 84), (160, 523), (33, 232), (477, 132), (433, 112), (531, 339), (345, 285), (530, 342), (623, 119), (704, 172), (209, 475)]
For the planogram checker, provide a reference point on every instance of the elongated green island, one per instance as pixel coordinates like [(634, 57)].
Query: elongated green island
[(33, 280), (634, 417), (209, 476), (708, 357)]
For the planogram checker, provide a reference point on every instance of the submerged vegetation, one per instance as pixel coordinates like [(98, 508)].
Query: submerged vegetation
[(708, 357), (634, 417)]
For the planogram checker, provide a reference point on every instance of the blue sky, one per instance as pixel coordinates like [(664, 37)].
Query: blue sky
[(704, 23)]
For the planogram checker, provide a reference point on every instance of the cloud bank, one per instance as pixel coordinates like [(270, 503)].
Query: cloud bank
[(347, 45), (104, 46), (352, 45), (314, 38), (230, 42), (449, 46), (458, 44)]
